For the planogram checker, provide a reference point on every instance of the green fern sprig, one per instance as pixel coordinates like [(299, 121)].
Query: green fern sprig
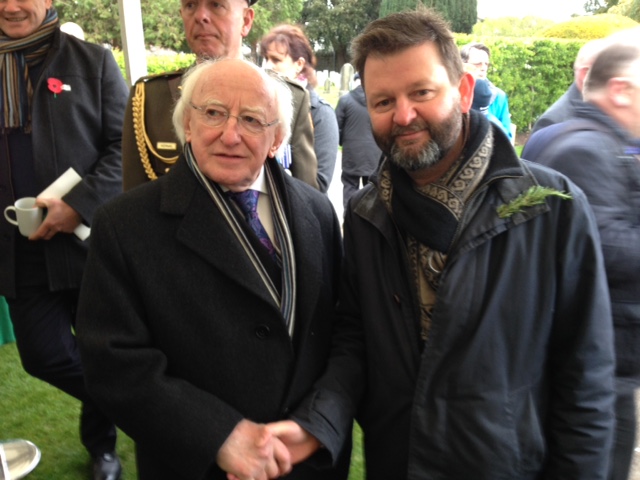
[(534, 196)]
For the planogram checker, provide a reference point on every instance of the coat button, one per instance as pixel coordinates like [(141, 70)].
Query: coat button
[(262, 331)]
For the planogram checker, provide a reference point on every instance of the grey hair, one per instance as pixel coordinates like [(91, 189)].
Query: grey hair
[(281, 91), (613, 61), (465, 51)]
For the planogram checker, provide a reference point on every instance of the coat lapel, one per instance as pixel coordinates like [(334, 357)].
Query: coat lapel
[(205, 231), (307, 241)]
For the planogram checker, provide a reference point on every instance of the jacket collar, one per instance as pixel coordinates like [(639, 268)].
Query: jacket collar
[(204, 230), (506, 178)]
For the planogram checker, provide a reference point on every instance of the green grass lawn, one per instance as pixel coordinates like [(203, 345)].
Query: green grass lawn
[(35, 411)]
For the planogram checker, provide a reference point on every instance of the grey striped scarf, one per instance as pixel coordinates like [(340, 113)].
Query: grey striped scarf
[(286, 298), (16, 56)]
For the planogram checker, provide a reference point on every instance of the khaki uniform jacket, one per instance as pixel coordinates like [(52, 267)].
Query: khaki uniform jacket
[(150, 147)]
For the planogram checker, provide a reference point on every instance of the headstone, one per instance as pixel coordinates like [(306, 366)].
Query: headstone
[(346, 75)]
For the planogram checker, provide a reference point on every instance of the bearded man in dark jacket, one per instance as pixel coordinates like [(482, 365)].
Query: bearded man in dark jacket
[(475, 336)]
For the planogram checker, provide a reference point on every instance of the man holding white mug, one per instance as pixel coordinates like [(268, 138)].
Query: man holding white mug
[(69, 99)]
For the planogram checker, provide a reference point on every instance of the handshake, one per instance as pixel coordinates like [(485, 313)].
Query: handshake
[(260, 452)]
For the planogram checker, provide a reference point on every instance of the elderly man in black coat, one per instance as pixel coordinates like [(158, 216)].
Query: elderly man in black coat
[(200, 322)]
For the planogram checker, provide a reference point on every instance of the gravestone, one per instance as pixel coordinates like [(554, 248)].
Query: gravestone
[(346, 76)]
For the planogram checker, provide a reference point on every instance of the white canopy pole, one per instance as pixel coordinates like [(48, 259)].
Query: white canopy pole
[(135, 58)]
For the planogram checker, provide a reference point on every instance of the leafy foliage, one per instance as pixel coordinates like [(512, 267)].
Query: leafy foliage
[(98, 18), (628, 8), (536, 195), (461, 14), (270, 13), (599, 6), (332, 25), (160, 63), (512, 26), (393, 6), (533, 73), (100, 21), (162, 22), (589, 27)]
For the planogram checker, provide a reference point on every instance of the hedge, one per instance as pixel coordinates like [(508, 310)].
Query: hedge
[(533, 72)]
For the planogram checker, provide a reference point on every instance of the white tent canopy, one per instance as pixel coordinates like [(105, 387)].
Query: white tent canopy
[(132, 39)]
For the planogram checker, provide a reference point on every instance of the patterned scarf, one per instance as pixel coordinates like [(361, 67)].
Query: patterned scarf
[(286, 298), (430, 216), (16, 56)]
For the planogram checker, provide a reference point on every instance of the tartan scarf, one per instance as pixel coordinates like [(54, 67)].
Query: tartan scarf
[(430, 216), (16, 56)]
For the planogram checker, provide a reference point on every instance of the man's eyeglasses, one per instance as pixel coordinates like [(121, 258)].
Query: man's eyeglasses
[(215, 116)]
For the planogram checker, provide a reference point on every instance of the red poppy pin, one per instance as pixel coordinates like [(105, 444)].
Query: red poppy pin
[(56, 86)]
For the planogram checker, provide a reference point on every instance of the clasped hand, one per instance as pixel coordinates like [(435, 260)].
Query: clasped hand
[(262, 452)]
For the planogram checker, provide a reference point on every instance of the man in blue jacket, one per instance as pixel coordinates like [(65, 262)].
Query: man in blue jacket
[(63, 102), (475, 336)]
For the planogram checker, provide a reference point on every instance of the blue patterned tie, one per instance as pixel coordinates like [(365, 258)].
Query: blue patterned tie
[(248, 203)]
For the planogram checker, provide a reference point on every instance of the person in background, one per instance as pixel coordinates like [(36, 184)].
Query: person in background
[(474, 334), (286, 50), (360, 153), (598, 149), (191, 357), (150, 148), (477, 56), (564, 108), (482, 100), (63, 101)]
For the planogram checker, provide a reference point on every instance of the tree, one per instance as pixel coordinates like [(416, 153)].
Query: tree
[(599, 6), (270, 13), (331, 25), (100, 20), (162, 22), (462, 15), (393, 6), (628, 8)]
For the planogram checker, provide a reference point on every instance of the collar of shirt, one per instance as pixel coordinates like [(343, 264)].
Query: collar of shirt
[(264, 205)]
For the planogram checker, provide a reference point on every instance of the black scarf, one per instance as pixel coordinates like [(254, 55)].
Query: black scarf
[(428, 219)]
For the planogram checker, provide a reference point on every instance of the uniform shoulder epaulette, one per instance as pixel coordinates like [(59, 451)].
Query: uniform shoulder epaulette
[(163, 75), (138, 100)]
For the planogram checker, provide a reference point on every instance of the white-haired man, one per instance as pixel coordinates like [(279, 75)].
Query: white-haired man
[(203, 315)]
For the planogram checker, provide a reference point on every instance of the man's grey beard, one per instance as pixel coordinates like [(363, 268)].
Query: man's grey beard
[(425, 158), (413, 158)]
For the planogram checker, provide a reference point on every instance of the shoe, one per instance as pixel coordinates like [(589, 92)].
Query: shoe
[(107, 467)]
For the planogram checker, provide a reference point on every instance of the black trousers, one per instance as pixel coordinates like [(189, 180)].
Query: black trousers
[(43, 323)]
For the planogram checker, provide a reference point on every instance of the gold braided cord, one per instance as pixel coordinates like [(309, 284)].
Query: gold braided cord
[(143, 142)]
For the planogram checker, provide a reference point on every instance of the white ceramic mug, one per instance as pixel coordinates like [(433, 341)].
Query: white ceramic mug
[(28, 215)]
